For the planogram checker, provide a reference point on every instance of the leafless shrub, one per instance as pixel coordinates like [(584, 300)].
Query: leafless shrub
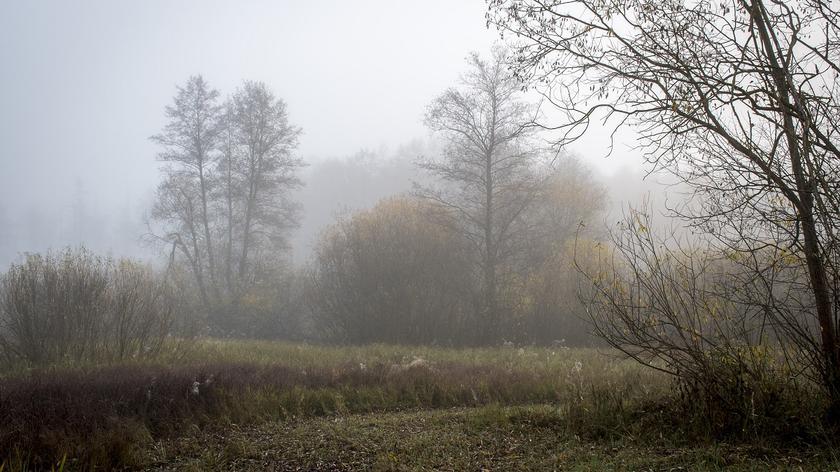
[(140, 313), (696, 313), (77, 306)]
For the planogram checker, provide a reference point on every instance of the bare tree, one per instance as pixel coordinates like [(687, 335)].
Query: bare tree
[(224, 202), (177, 203), (265, 172), (189, 141), (739, 98), (227, 194), (486, 168)]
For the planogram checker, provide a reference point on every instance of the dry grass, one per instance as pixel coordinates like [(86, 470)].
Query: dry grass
[(112, 416), (495, 438)]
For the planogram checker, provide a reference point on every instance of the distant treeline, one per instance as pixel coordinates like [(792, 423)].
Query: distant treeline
[(479, 253)]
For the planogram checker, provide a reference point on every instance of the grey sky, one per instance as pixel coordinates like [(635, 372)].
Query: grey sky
[(83, 83)]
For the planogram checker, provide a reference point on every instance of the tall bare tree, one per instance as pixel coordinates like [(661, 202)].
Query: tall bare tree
[(739, 98), (227, 194), (189, 140), (224, 202), (264, 168), (486, 168)]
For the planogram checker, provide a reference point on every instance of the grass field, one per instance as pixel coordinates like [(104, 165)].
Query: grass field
[(248, 405), (468, 439)]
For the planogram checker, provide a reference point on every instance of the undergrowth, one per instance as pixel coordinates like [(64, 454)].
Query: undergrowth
[(105, 416)]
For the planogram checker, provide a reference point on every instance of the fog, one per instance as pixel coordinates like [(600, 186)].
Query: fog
[(85, 84), (269, 234)]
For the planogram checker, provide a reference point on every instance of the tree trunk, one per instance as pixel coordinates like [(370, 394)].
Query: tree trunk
[(249, 215), (491, 322), (211, 265), (229, 247), (817, 270)]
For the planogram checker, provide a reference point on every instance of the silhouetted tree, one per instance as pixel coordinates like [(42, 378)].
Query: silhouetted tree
[(740, 99), (224, 202), (265, 171), (486, 170), (189, 142)]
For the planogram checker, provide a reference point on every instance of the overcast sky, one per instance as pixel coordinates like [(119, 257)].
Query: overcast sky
[(84, 83)]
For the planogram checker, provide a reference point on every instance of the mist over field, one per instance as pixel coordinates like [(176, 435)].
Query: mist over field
[(332, 187), (438, 235), (80, 102)]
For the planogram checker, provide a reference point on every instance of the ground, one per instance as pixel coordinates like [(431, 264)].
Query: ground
[(458, 439)]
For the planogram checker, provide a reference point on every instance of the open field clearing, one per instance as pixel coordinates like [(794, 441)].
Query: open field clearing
[(247, 405), (483, 235), (481, 438)]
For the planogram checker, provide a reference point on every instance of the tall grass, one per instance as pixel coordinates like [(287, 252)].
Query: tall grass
[(103, 416)]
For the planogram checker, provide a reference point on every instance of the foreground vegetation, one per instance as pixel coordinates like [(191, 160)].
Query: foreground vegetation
[(483, 438), (247, 404)]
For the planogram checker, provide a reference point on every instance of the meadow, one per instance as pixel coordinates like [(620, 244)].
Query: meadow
[(259, 405)]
